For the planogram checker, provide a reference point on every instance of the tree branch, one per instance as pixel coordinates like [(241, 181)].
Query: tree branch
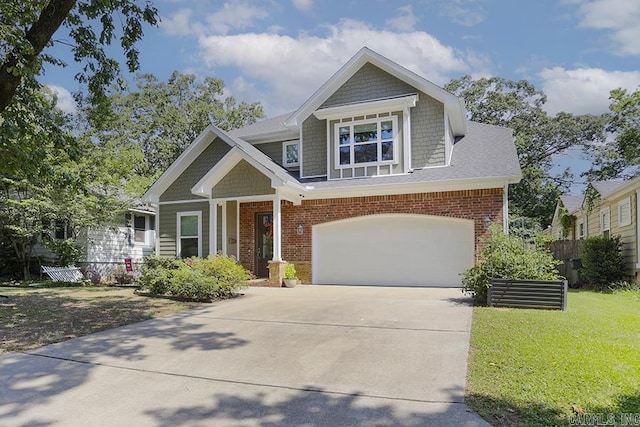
[(52, 16)]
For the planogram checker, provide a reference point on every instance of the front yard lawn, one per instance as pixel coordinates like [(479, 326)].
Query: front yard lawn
[(536, 367), (31, 318)]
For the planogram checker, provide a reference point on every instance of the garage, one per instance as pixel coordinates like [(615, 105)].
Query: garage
[(392, 250)]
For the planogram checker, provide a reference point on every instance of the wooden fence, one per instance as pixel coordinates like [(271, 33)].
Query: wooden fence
[(547, 294)]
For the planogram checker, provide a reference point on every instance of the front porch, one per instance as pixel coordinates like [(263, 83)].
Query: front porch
[(253, 229)]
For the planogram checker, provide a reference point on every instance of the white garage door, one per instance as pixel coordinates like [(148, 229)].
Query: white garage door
[(393, 250)]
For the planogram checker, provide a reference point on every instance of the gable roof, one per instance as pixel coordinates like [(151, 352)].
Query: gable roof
[(606, 188), (453, 105), (240, 147), (266, 130), (572, 203)]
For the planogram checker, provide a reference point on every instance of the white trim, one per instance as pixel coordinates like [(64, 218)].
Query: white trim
[(157, 232), (404, 188), (216, 173), (406, 139), (285, 144), (277, 229), (300, 153), (505, 208), (366, 108), (328, 132), (622, 203), (224, 228), (213, 226), (352, 144), (605, 211), (238, 230), (179, 235), (180, 202), (580, 236)]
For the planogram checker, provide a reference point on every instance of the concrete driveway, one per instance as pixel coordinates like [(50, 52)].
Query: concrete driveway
[(310, 355)]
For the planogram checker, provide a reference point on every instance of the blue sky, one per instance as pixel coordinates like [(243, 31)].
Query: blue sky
[(279, 52)]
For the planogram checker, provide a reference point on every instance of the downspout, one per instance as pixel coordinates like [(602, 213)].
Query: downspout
[(505, 208)]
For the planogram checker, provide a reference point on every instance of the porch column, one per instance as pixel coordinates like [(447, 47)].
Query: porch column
[(213, 229), (277, 228)]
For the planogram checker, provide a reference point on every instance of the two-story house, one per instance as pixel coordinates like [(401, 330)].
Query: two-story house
[(377, 179)]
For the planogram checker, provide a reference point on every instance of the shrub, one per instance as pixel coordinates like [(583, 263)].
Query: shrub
[(602, 261), (193, 279), (508, 257), (290, 271)]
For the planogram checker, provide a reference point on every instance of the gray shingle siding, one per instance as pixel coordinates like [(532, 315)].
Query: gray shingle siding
[(180, 189), (168, 223), (242, 180), (369, 82), (273, 150), (314, 148), (427, 132)]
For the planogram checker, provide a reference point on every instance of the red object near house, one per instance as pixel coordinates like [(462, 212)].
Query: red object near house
[(128, 265)]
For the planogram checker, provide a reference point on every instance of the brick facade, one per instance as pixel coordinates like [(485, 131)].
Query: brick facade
[(468, 204)]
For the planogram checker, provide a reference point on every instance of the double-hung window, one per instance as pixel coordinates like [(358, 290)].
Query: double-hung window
[(366, 142), (189, 242), (624, 212), (290, 153), (605, 222)]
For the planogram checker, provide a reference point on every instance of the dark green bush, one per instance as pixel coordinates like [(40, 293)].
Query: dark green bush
[(602, 261), (508, 257), (193, 279)]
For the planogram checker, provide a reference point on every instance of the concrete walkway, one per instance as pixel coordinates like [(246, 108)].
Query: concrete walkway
[(310, 355)]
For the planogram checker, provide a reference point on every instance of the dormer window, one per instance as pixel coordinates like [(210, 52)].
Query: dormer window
[(290, 153), (366, 142)]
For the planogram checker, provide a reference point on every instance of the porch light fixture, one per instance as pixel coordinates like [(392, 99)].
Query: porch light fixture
[(300, 229), (487, 222)]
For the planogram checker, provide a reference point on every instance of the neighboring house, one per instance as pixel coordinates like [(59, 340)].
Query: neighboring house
[(105, 248), (377, 179), (568, 205), (610, 208)]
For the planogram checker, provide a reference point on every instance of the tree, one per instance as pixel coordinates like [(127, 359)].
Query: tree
[(46, 177), (621, 156), (156, 122), (538, 137), (27, 28)]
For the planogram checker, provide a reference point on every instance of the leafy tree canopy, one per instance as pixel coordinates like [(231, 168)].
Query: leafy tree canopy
[(150, 126), (621, 156), (538, 137), (27, 28)]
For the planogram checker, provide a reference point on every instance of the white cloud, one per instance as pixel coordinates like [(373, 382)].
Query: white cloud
[(303, 5), (619, 17), (404, 20), (291, 69), (583, 90), (64, 100), (179, 24), (235, 15), (463, 12)]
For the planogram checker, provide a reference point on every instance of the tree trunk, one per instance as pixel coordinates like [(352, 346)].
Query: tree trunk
[(51, 17)]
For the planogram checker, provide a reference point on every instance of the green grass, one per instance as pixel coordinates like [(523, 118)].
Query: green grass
[(529, 367)]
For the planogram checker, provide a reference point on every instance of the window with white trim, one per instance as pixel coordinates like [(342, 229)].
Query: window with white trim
[(290, 153), (624, 212), (189, 233), (366, 142), (140, 228), (581, 230), (605, 222)]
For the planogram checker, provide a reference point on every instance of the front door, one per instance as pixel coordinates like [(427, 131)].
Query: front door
[(264, 243)]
